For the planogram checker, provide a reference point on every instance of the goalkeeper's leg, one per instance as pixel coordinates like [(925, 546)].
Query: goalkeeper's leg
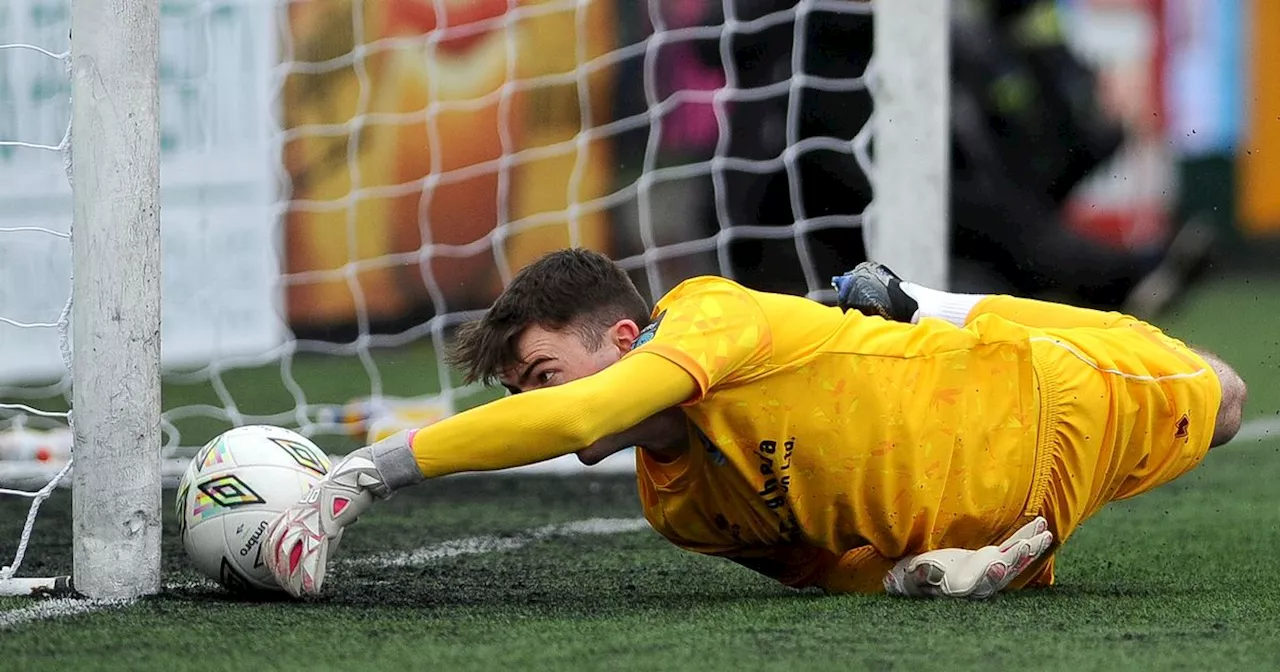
[(1057, 317), (1102, 366), (873, 289), (1046, 315)]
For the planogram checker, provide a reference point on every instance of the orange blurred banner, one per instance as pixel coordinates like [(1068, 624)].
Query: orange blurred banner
[(1259, 161), (431, 132)]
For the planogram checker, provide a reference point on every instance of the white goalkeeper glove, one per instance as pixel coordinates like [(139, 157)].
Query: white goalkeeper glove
[(300, 540), (955, 572)]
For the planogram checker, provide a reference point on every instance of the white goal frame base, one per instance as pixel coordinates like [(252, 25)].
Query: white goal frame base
[(57, 586)]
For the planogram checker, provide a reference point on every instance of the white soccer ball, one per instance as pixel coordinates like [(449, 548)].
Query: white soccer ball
[(234, 487)]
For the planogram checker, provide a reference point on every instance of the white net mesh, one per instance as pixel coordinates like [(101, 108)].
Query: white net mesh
[(345, 181), (32, 236)]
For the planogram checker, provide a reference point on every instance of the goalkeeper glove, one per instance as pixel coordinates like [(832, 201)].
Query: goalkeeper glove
[(301, 539), (955, 572)]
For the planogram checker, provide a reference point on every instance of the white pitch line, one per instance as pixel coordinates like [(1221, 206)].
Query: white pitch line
[(1257, 430), (56, 608), (498, 544)]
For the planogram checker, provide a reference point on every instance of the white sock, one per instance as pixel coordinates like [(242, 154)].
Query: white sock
[(953, 308)]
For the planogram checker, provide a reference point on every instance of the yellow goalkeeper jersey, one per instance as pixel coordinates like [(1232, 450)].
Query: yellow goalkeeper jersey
[(817, 432)]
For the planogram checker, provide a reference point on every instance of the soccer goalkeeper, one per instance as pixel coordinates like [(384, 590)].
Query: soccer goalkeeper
[(945, 451)]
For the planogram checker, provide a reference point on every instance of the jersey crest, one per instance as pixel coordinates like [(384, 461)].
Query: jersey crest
[(649, 332)]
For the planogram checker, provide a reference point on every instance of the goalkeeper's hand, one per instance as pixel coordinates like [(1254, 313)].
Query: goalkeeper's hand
[(301, 539), (954, 572)]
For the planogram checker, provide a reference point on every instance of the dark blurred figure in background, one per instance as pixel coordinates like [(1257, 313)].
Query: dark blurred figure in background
[(1026, 130), (831, 184)]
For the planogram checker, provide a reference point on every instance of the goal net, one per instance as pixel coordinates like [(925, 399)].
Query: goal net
[(343, 182)]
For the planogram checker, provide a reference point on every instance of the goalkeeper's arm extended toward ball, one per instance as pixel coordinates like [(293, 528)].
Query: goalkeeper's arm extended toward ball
[(514, 431)]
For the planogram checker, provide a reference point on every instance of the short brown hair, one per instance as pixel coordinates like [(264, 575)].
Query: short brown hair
[(573, 288)]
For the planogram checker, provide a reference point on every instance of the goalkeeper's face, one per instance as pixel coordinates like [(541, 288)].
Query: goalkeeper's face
[(554, 357)]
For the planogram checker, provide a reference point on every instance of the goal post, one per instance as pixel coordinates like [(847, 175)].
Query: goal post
[(115, 316), (908, 225)]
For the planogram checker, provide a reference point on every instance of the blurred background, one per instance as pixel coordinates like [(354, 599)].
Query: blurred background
[(1105, 152), (346, 180), (1087, 135)]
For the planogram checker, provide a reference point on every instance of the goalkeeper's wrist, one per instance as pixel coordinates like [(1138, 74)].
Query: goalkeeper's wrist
[(394, 459)]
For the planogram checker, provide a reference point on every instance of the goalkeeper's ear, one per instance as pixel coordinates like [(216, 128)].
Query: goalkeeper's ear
[(623, 335), (639, 336)]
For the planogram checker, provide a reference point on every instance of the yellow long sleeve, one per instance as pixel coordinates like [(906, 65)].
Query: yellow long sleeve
[(550, 422)]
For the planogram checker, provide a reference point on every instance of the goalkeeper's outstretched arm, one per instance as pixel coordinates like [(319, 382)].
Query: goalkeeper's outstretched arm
[(547, 423), (511, 432)]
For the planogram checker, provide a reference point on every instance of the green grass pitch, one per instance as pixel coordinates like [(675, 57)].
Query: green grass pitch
[(450, 576)]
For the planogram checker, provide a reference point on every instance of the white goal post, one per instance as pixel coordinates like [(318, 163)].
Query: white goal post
[(201, 92), (115, 304), (911, 85)]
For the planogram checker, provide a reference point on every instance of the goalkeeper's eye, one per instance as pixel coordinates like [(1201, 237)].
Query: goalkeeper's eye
[(545, 376)]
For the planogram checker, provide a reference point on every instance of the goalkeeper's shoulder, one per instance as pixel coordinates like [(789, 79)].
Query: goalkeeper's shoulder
[(702, 284), (710, 294)]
